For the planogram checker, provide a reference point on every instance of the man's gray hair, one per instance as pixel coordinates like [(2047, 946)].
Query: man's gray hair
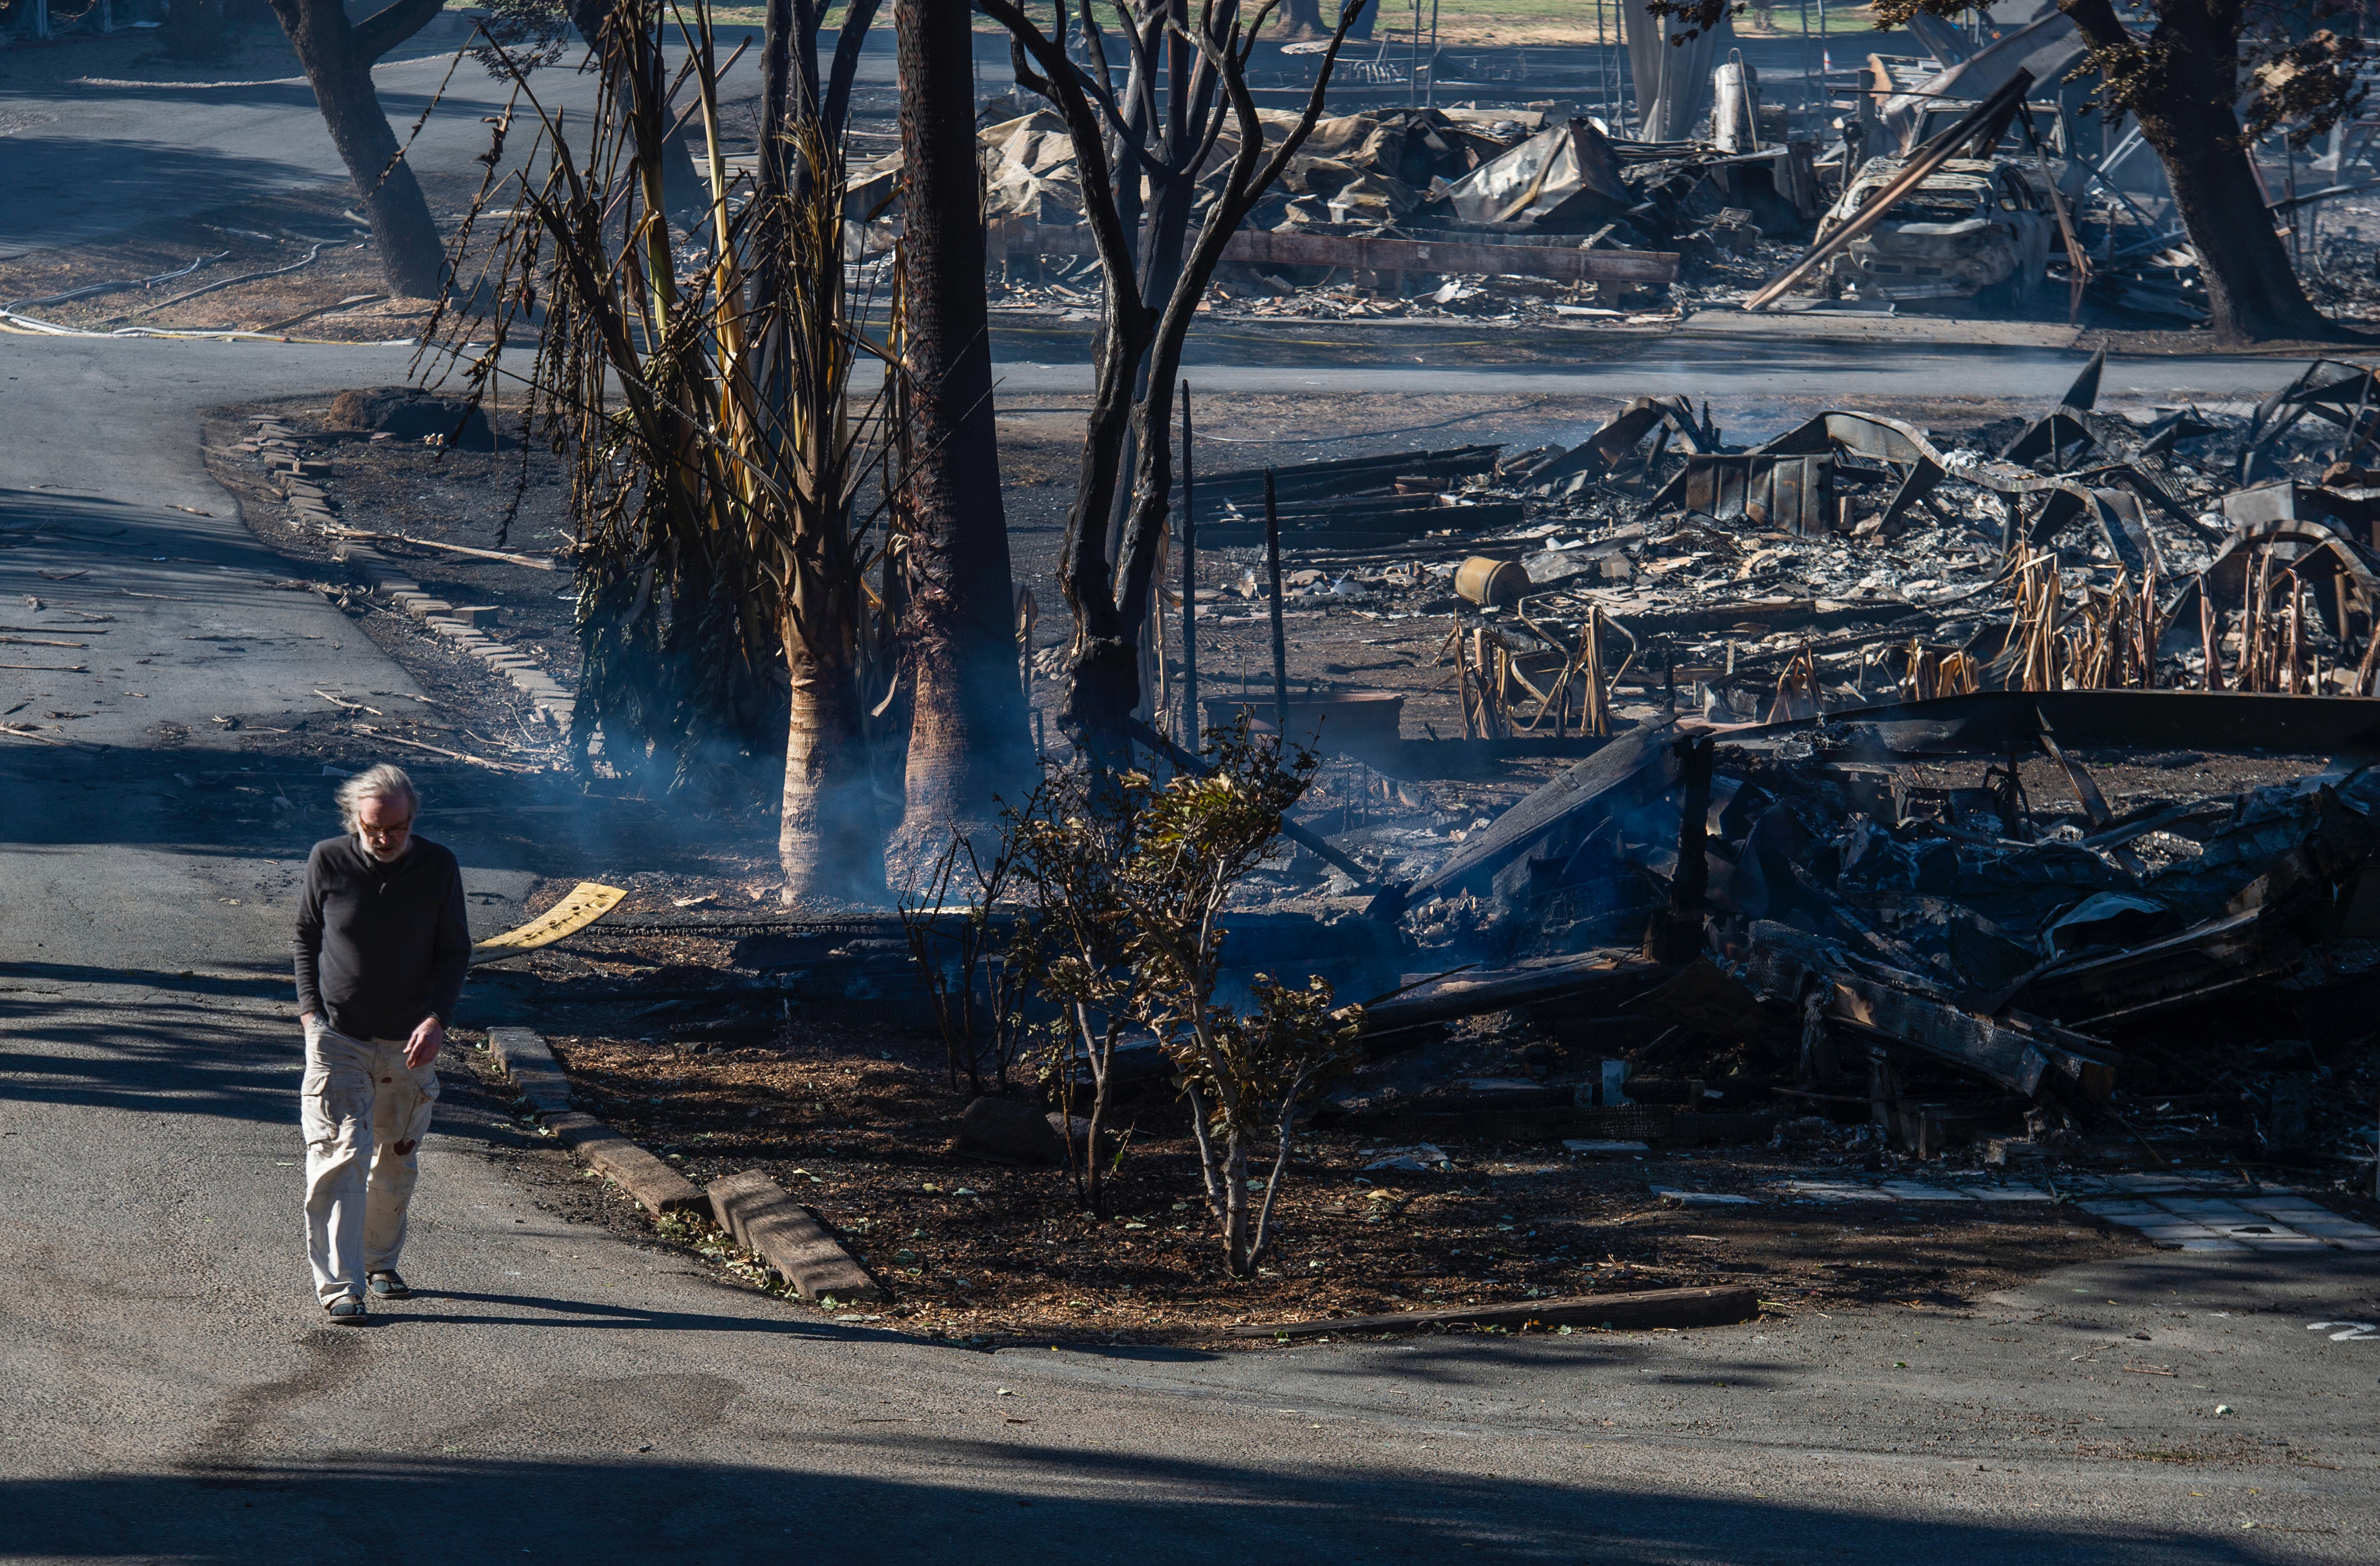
[(382, 782)]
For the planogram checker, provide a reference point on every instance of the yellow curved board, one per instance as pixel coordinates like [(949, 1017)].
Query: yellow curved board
[(582, 906)]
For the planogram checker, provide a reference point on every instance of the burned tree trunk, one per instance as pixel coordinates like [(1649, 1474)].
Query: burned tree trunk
[(1302, 19), (337, 56), (2252, 289), (2183, 84), (967, 739), (2188, 119)]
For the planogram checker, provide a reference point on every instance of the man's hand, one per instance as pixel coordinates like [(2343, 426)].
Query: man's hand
[(427, 1040)]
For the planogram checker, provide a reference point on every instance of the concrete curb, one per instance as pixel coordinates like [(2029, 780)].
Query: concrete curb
[(299, 484), (548, 697), (656, 1186), (768, 1222), (532, 1068)]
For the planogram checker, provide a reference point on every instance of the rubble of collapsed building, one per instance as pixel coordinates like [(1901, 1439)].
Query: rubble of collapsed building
[(1801, 878), (1756, 895), (1456, 211), (1705, 188)]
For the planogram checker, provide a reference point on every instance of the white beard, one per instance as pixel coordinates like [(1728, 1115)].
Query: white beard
[(378, 859)]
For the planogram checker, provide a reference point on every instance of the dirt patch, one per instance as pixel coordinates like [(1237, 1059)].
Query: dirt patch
[(857, 1120)]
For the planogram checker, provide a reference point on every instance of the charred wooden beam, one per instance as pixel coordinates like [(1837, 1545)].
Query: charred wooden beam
[(2021, 1054), (1582, 789)]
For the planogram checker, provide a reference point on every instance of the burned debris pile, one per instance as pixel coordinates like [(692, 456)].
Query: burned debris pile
[(1969, 179), (1419, 211), (1799, 920), (1854, 558), (2004, 788)]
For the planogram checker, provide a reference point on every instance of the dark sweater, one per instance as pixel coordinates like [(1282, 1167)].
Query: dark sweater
[(380, 947)]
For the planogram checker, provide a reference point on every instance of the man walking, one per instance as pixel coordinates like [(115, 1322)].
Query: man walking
[(382, 947)]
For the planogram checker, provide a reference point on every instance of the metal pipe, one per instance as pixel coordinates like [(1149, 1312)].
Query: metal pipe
[(1279, 643), (1190, 711), (1432, 100), (1412, 58), (1921, 165)]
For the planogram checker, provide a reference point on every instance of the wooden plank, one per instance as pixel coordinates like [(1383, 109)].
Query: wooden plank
[(1511, 833), (1637, 1311), (581, 906), (2032, 1059), (1496, 990), (772, 1226)]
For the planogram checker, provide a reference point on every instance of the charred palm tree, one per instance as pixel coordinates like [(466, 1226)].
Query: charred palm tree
[(715, 466)]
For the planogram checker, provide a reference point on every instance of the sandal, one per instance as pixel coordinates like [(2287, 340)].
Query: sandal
[(389, 1286), (347, 1307)]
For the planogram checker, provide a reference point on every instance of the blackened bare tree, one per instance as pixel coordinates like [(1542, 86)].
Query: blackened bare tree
[(337, 55), (1121, 137)]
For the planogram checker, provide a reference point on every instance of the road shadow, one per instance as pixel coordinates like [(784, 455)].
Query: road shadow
[(925, 1498), (53, 179), (144, 1053)]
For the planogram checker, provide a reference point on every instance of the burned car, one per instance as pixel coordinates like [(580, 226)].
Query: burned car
[(1973, 229)]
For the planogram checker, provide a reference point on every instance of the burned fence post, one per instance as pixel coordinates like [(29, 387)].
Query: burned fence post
[(1817, 1063), (1280, 646), (1029, 614), (1189, 586), (1676, 934)]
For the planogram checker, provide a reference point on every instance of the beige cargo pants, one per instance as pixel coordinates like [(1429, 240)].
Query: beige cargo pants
[(364, 1113)]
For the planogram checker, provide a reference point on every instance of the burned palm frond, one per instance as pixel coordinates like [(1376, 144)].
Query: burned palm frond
[(1798, 692), (2038, 618), (697, 379), (1927, 675)]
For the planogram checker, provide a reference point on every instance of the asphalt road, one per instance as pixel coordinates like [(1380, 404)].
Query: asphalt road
[(117, 155), (1849, 371), (169, 1390)]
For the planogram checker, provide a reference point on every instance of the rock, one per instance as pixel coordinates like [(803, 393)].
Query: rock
[(1677, 1199), (1010, 1129), (409, 414), (1805, 1130), (1076, 1129), (1420, 1158)]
